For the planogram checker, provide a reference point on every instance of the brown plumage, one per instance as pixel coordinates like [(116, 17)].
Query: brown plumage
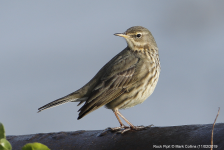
[(126, 80)]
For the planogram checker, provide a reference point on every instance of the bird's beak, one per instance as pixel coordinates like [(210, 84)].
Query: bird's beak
[(121, 35)]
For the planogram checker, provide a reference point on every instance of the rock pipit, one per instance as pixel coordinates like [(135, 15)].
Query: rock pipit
[(126, 80)]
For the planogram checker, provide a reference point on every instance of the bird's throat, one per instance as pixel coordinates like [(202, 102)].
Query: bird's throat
[(137, 46)]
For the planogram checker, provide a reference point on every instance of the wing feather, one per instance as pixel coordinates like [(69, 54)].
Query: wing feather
[(112, 84)]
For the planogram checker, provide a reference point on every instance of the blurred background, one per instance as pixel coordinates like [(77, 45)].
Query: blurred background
[(49, 49)]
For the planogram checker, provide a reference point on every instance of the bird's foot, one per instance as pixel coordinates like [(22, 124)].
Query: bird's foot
[(141, 127), (123, 129), (116, 129), (137, 128)]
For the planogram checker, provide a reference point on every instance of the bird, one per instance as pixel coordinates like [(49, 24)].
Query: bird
[(128, 79)]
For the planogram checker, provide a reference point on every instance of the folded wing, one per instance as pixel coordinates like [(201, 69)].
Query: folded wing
[(117, 79)]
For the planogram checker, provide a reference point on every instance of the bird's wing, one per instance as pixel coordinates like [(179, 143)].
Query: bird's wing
[(106, 72), (114, 82)]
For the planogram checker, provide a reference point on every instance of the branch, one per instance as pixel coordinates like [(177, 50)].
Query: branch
[(213, 129), (179, 137)]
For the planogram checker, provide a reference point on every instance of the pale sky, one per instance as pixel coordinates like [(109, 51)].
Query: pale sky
[(49, 49)]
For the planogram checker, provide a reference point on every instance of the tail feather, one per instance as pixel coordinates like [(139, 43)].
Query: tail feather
[(56, 103)]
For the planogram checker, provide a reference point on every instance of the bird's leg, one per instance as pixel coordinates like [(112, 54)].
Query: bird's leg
[(122, 129), (122, 126), (125, 128), (119, 120), (132, 127), (128, 122)]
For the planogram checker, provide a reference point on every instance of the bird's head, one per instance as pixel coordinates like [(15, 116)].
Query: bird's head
[(138, 38)]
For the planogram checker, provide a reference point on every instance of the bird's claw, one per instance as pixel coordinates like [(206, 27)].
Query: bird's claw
[(123, 129), (142, 127)]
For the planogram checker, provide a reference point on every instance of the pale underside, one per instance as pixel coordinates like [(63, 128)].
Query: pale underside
[(129, 81)]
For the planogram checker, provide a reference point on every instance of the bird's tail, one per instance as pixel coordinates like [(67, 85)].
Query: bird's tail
[(57, 102)]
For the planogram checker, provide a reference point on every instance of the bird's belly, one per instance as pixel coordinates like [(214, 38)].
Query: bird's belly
[(136, 96)]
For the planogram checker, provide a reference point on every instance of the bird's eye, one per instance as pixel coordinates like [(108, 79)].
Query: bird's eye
[(138, 35)]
